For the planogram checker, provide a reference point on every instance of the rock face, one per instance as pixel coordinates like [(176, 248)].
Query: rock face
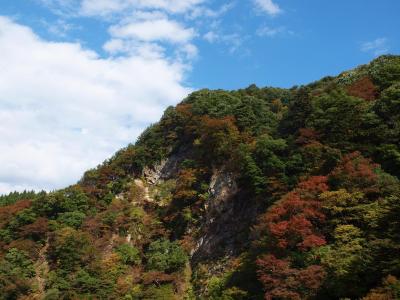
[(226, 220), (227, 214), (166, 169)]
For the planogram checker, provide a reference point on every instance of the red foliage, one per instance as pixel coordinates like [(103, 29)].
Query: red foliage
[(356, 172), (291, 222), (28, 246), (282, 281), (35, 230), (94, 226), (307, 136), (311, 188), (292, 225), (363, 88), (184, 110)]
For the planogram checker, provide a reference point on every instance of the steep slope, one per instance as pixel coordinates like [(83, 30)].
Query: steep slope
[(250, 194)]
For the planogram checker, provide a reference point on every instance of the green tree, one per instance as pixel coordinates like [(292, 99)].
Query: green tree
[(70, 248), (72, 219), (129, 255), (164, 255)]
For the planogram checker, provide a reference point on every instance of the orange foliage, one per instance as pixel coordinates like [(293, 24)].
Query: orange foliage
[(363, 88), (184, 110), (35, 230), (284, 282), (29, 246), (95, 227), (217, 136), (184, 184), (157, 277), (386, 292), (9, 211), (355, 172), (306, 136)]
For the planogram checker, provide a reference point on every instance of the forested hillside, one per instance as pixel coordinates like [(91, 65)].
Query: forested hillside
[(259, 193)]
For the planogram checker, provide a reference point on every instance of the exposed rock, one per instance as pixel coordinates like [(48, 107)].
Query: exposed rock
[(228, 216), (166, 169), (146, 196), (153, 174), (222, 187)]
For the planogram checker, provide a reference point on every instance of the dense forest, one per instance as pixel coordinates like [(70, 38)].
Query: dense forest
[(259, 193)]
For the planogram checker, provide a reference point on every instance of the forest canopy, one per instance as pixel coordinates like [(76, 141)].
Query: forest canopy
[(258, 193)]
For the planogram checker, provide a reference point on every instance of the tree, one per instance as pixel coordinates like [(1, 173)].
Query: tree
[(163, 255), (390, 289), (36, 230), (217, 137), (16, 272), (268, 153), (70, 248), (347, 253), (284, 282), (129, 255), (72, 219), (354, 172), (385, 70), (68, 200), (338, 118), (363, 88), (289, 231), (298, 113)]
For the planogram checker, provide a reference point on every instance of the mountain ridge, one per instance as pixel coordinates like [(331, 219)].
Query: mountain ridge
[(249, 194)]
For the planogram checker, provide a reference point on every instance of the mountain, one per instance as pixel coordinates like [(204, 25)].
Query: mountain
[(259, 193)]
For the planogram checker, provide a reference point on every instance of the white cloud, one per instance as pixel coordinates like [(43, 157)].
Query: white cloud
[(154, 30), (107, 7), (116, 8), (103, 7), (205, 12), (117, 47), (268, 6), (189, 51), (64, 109), (59, 28), (272, 31), (211, 36), (233, 43), (62, 7), (150, 35), (378, 46)]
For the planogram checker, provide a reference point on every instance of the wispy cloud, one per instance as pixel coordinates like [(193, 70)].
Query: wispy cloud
[(154, 30), (60, 28), (233, 43), (211, 36), (104, 7), (270, 31), (377, 47), (268, 7), (62, 7), (203, 11)]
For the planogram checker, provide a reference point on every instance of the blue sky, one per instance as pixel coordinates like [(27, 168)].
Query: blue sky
[(80, 79), (306, 39)]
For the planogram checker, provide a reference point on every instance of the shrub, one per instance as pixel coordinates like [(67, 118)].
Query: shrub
[(164, 255), (129, 255)]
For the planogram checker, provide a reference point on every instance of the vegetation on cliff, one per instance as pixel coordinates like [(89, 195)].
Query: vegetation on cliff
[(249, 194)]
